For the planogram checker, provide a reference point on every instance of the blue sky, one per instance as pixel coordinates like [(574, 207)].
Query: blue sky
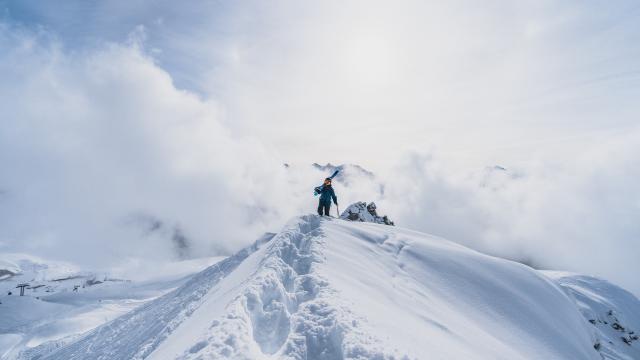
[(186, 112)]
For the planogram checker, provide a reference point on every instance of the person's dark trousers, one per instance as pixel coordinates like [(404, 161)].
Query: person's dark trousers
[(324, 207)]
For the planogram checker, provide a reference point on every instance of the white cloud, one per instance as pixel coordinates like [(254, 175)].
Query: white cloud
[(94, 134), (467, 78), (574, 214), (89, 139)]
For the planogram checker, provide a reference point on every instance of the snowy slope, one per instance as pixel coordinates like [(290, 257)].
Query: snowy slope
[(333, 289), (62, 301), (613, 312)]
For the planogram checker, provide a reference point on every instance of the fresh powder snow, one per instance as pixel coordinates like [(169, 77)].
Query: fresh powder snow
[(326, 288)]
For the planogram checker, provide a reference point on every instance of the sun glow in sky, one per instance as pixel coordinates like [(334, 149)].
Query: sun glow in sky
[(369, 60)]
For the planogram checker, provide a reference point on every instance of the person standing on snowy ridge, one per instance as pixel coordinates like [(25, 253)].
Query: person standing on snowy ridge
[(326, 194)]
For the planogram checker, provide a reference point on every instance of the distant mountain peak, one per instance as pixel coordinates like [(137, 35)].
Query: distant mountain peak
[(344, 168)]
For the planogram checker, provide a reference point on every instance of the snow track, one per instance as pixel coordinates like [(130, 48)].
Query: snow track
[(328, 289), (286, 310)]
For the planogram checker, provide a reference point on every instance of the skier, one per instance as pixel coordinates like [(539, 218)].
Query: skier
[(326, 194)]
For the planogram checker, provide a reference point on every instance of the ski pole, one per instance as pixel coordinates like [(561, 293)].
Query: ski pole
[(338, 210)]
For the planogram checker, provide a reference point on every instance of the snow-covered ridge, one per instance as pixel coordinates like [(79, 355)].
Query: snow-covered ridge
[(613, 312), (35, 269), (332, 289)]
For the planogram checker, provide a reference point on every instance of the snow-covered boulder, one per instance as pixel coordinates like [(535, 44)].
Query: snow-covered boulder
[(360, 211)]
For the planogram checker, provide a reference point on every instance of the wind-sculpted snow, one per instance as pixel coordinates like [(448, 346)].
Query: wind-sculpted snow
[(613, 312), (329, 289)]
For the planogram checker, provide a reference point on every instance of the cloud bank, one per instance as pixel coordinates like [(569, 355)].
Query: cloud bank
[(103, 155), (165, 134), (571, 214)]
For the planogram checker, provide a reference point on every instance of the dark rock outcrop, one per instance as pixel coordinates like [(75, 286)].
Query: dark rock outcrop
[(361, 211)]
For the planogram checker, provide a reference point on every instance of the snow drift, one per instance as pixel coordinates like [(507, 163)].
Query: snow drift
[(333, 289)]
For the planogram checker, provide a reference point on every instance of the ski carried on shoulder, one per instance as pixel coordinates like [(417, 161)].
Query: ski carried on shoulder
[(318, 189)]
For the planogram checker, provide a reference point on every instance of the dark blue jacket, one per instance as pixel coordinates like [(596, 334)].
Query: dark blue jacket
[(326, 194)]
